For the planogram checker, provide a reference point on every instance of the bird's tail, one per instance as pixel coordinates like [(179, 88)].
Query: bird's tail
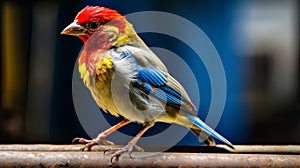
[(203, 137), (205, 132)]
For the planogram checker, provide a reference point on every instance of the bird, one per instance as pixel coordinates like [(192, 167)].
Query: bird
[(127, 79)]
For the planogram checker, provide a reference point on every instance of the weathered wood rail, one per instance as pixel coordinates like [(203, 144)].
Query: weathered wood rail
[(71, 156)]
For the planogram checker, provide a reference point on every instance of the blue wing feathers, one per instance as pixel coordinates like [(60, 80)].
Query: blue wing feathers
[(150, 78), (148, 87), (171, 91), (167, 96)]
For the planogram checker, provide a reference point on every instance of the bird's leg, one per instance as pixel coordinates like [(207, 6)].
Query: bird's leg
[(130, 146), (101, 137)]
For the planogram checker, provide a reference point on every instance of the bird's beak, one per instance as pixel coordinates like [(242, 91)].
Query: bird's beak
[(74, 29)]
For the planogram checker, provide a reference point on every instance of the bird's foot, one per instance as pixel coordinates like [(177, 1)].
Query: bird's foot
[(90, 143), (117, 152)]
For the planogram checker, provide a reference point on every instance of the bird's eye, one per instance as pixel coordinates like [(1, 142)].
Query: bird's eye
[(93, 25)]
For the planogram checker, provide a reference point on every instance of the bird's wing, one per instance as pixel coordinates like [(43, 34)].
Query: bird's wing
[(152, 78)]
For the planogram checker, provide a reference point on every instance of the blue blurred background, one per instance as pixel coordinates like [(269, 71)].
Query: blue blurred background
[(256, 40)]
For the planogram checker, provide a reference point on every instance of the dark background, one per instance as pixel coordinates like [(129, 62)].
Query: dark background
[(256, 40)]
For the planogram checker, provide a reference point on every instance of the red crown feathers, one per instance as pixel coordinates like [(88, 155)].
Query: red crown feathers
[(98, 13)]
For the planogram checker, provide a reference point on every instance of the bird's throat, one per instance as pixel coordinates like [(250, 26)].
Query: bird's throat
[(83, 38), (92, 53)]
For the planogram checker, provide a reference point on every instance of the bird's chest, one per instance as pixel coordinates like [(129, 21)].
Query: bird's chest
[(99, 81), (103, 77)]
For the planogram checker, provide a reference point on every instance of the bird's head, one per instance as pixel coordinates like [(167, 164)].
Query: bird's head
[(106, 24)]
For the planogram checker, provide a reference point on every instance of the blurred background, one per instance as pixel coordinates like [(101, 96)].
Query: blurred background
[(256, 40)]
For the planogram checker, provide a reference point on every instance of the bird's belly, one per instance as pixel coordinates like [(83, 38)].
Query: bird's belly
[(127, 108), (116, 100)]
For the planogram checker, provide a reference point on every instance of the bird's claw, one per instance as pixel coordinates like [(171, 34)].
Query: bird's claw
[(107, 150), (90, 143), (80, 140), (126, 149)]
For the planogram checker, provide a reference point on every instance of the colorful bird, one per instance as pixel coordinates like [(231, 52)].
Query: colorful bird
[(127, 79)]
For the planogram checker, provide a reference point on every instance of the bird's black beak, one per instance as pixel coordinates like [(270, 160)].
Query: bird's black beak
[(74, 29)]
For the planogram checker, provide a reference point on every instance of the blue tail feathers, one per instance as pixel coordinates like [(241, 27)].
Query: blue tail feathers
[(196, 121)]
